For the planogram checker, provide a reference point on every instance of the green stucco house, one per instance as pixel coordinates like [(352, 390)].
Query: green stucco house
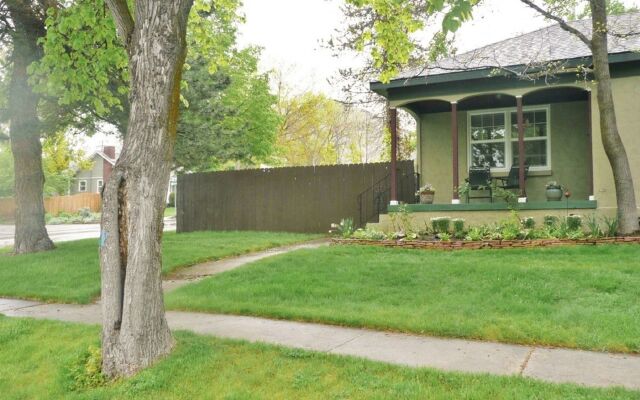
[(467, 109)]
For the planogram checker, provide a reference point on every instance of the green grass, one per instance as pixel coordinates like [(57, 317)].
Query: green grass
[(170, 212), (37, 356), (578, 297), (71, 273)]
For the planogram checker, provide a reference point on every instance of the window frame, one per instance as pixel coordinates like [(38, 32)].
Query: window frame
[(507, 140), (99, 184), (80, 181)]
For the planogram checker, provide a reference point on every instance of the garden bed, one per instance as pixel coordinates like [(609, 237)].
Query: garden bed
[(484, 244)]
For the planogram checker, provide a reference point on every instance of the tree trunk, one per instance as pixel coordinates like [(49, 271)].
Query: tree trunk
[(30, 234), (135, 332), (613, 146)]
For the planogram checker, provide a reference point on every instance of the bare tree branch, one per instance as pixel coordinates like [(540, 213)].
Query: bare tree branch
[(563, 24), (123, 20)]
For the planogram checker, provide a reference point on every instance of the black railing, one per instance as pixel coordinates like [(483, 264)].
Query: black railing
[(373, 201)]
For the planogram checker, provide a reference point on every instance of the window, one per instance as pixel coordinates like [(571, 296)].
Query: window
[(82, 186), (493, 138), (100, 183)]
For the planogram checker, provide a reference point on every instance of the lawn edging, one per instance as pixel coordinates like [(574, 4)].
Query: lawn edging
[(484, 244)]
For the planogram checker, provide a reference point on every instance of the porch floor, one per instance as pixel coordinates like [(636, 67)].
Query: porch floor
[(533, 205)]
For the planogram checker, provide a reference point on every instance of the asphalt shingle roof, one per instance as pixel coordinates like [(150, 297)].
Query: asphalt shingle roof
[(543, 45)]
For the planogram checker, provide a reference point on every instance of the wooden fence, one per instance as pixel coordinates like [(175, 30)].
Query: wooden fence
[(56, 205), (297, 199)]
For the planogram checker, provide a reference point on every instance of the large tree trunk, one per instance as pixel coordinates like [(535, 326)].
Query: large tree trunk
[(135, 332), (24, 128), (613, 146)]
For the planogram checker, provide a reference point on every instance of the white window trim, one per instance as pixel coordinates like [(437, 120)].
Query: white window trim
[(99, 184), (507, 139), (80, 185)]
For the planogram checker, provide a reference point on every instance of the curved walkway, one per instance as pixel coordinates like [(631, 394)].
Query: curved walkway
[(547, 364)]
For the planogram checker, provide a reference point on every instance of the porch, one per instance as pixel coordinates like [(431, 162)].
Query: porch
[(542, 135)]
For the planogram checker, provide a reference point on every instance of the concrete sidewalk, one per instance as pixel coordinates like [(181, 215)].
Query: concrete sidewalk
[(198, 272), (552, 365)]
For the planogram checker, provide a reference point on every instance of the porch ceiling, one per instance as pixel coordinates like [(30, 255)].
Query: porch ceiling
[(500, 100)]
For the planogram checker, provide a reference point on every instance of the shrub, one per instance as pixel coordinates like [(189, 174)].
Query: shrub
[(528, 223), (172, 200), (441, 224), (574, 222), (550, 220), (458, 227)]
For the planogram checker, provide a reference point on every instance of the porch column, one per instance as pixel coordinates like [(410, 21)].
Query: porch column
[(454, 151), (592, 195), (521, 155), (392, 115)]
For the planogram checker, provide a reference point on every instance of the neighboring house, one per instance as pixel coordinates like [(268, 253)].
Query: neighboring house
[(92, 180), (467, 109)]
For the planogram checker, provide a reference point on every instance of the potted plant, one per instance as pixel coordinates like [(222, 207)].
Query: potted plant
[(553, 191), (426, 193)]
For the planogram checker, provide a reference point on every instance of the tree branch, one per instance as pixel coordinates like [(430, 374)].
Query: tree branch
[(123, 20), (563, 24)]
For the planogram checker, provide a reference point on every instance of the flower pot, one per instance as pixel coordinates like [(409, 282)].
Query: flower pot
[(554, 194), (426, 197)]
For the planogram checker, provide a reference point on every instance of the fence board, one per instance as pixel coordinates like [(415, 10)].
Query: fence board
[(296, 199), (58, 204)]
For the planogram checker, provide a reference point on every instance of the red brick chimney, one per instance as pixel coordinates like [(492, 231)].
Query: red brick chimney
[(109, 151)]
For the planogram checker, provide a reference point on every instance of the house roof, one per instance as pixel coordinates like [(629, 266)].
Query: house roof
[(106, 157), (551, 43)]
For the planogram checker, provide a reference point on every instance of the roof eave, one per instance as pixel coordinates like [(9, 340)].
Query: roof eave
[(480, 73)]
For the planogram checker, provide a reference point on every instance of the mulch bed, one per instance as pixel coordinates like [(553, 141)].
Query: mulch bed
[(484, 244)]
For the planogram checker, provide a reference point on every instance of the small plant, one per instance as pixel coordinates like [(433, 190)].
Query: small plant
[(401, 220), (345, 228), (444, 236), (574, 222), (427, 187), (458, 228), (441, 224), (595, 231), (369, 234), (611, 226), (508, 196), (528, 223), (475, 234), (85, 372), (553, 185)]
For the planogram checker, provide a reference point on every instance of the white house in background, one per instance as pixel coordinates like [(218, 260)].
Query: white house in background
[(92, 180)]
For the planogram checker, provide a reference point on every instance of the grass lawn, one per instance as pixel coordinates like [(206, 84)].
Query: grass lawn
[(170, 212), (579, 297), (71, 273), (38, 356)]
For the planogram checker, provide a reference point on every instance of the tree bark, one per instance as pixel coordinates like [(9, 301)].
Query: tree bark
[(24, 129), (613, 146), (135, 332)]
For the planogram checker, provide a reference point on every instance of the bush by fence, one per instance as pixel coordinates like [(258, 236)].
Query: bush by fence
[(56, 205), (296, 199)]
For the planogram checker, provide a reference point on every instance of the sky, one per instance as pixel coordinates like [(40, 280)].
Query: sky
[(290, 31)]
